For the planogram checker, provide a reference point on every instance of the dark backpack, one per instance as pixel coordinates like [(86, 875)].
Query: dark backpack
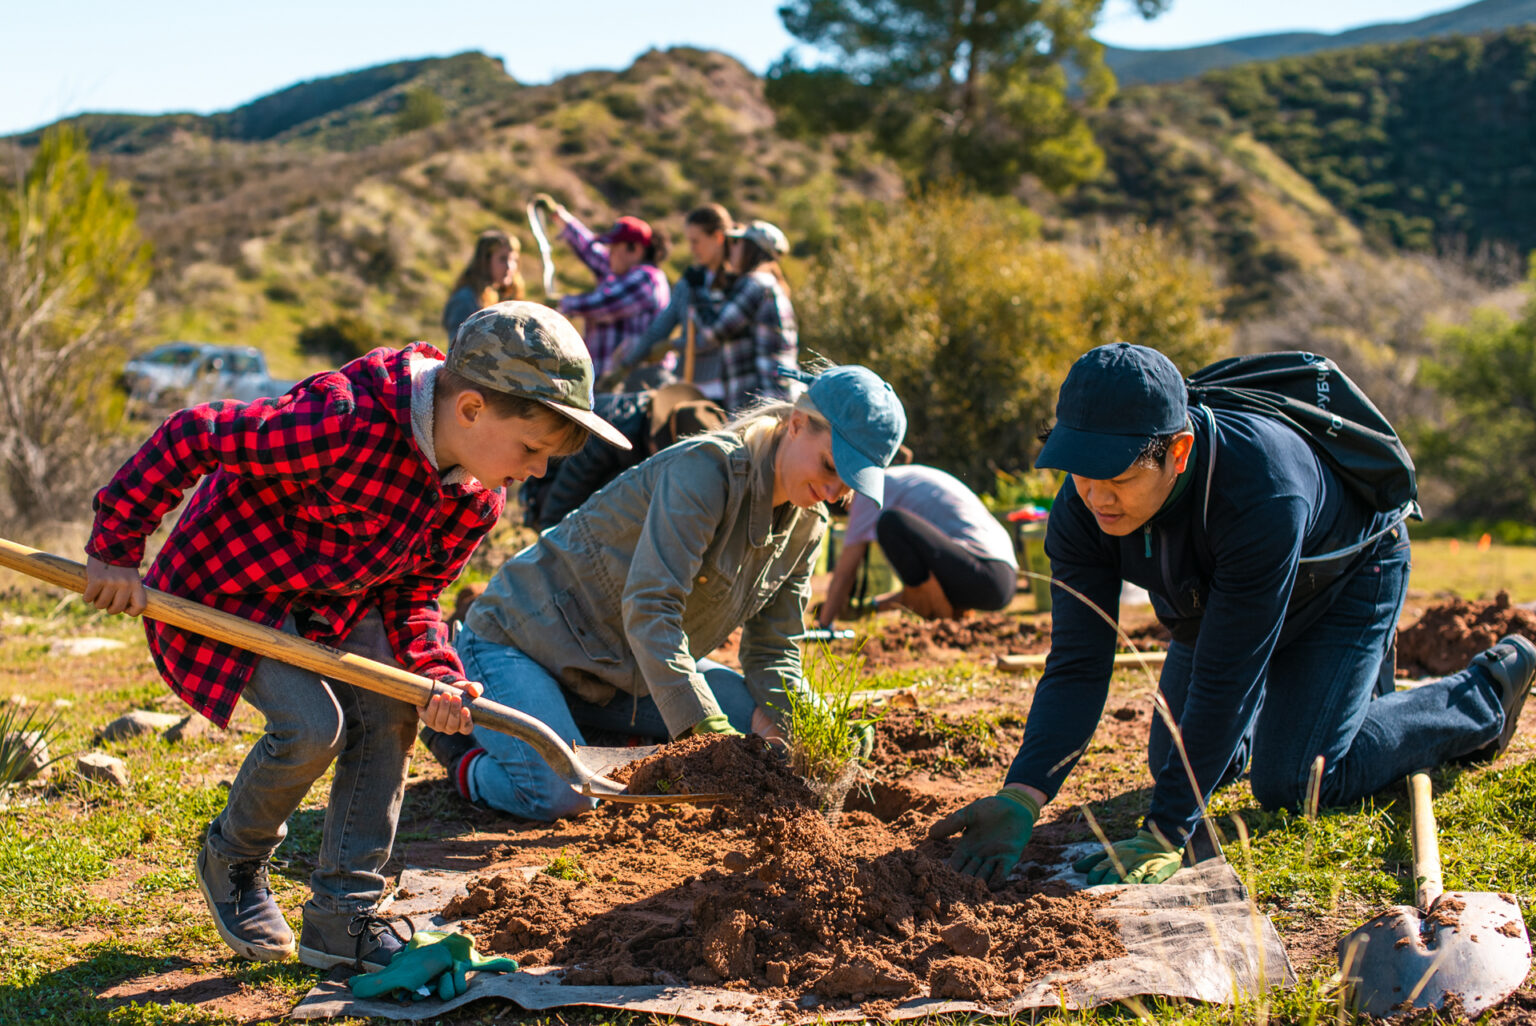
[(1316, 399)]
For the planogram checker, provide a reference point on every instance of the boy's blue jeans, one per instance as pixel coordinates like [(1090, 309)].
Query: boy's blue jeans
[(1330, 693), (312, 722), (511, 776)]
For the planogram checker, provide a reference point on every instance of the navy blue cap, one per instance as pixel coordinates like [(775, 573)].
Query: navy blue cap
[(1115, 400), (868, 424)]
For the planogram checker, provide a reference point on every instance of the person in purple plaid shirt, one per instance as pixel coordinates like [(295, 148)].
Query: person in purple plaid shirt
[(338, 512), (755, 326), (631, 288)]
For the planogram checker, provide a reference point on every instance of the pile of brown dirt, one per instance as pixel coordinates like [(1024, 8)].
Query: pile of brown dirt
[(766, 896), (719, 764), (1448, 635)]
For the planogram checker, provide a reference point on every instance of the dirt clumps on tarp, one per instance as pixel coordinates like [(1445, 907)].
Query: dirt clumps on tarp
[(766, 896), (1448, 635)]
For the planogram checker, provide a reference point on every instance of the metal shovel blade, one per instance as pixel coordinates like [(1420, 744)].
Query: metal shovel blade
[(1470, 946)]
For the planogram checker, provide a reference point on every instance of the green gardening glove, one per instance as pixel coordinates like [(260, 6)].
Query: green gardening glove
[(995, 831), (1145, 858), (433, 961), (719, 723), (863, 732)]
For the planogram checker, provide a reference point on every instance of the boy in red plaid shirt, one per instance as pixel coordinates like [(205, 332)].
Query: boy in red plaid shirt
[(339, 512)]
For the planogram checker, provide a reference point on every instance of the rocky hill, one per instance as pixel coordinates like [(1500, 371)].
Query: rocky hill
[(1133, 66), (355, 199)]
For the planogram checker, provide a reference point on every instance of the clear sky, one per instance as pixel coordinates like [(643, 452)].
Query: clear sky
[(155, 56)]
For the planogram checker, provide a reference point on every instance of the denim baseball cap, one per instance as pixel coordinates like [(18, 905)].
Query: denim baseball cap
[(1115, 399), (868, 424)]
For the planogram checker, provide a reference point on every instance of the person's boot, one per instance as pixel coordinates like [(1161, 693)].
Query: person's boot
[(1512, 664), (360, 939), (244, 911)]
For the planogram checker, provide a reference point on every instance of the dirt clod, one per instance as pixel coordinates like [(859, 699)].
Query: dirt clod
[(1448, 635)]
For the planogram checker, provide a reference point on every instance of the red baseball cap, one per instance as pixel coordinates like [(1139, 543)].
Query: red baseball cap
[(627, 229)]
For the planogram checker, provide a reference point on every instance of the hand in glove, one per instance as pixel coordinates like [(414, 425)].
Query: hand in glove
[(433, 960), (695, 276), (719, 723), (864, 733), (1145, 858), (546, 204), (993, 832)]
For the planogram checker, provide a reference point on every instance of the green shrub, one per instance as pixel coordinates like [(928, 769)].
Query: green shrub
[(344, 337), (975, 321)]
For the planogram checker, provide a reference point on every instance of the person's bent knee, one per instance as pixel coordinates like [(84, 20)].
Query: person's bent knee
[(306, 744)]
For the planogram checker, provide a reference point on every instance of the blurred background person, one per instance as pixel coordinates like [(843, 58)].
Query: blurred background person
[(631, 288), (703, 284), (491, 277), (950, 552)]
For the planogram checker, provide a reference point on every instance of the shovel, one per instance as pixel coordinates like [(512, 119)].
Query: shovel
[(1463, 945), (359, 671)]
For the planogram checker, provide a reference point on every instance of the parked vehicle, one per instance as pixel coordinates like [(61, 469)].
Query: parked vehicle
[(180, 373)]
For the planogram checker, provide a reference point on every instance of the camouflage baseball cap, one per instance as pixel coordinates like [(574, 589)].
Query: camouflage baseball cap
[(530, 350)]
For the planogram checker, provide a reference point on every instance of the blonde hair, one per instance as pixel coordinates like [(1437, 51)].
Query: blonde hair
[(761, 424)]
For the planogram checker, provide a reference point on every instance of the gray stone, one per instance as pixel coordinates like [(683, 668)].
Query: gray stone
[(139, 721), (187, 728), (100, 766), (84, 646)]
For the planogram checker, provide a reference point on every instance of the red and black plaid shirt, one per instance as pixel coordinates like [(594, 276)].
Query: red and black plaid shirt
[(318, 503)]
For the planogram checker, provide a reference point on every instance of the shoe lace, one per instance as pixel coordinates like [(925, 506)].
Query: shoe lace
[(248, 877), (367, 926)]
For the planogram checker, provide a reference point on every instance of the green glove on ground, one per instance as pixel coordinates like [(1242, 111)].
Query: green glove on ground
[(995, 831), (719, 723), (1145, 858), (864, 734), (432, 961)]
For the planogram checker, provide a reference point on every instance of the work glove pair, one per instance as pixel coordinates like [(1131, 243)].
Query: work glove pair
[(432, 962), (994, 832)]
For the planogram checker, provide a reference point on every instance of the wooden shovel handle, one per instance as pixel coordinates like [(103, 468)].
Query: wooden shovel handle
[(365, 673), (1426, 843), (688, 350)]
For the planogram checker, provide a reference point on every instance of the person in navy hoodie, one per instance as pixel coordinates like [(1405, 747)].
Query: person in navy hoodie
[(1282, 590)]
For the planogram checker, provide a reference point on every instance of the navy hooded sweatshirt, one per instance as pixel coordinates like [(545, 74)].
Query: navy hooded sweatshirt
[(1221, 563)]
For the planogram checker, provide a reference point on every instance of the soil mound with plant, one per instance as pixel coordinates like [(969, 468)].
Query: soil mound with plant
[(745, 767), (767, 896), (1448, 635)]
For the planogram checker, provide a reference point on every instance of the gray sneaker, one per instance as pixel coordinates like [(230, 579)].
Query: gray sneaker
[(1512, 664), (244, 911), (362, 940)]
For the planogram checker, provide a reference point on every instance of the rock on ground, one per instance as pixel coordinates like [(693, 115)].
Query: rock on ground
[(139, 721), (100, 766)]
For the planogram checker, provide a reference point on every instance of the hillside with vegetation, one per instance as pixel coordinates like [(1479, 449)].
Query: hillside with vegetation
[(1141, 67), (1324, 202)]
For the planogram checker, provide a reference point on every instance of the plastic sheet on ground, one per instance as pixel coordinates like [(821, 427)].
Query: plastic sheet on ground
[(1194, 937)]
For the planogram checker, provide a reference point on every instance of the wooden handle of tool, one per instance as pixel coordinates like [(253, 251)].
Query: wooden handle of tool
[(688, 346), (1426, 844), (1025, 663), (365, 673)]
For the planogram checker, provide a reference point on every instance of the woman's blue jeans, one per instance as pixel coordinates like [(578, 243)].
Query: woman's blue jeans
[(1329, 693), (511, 776)]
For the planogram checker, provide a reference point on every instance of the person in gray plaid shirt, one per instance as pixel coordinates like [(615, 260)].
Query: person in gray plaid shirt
[(755, 327)]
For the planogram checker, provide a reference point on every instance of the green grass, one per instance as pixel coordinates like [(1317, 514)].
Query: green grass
[(1443, 565), (96, 887)]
